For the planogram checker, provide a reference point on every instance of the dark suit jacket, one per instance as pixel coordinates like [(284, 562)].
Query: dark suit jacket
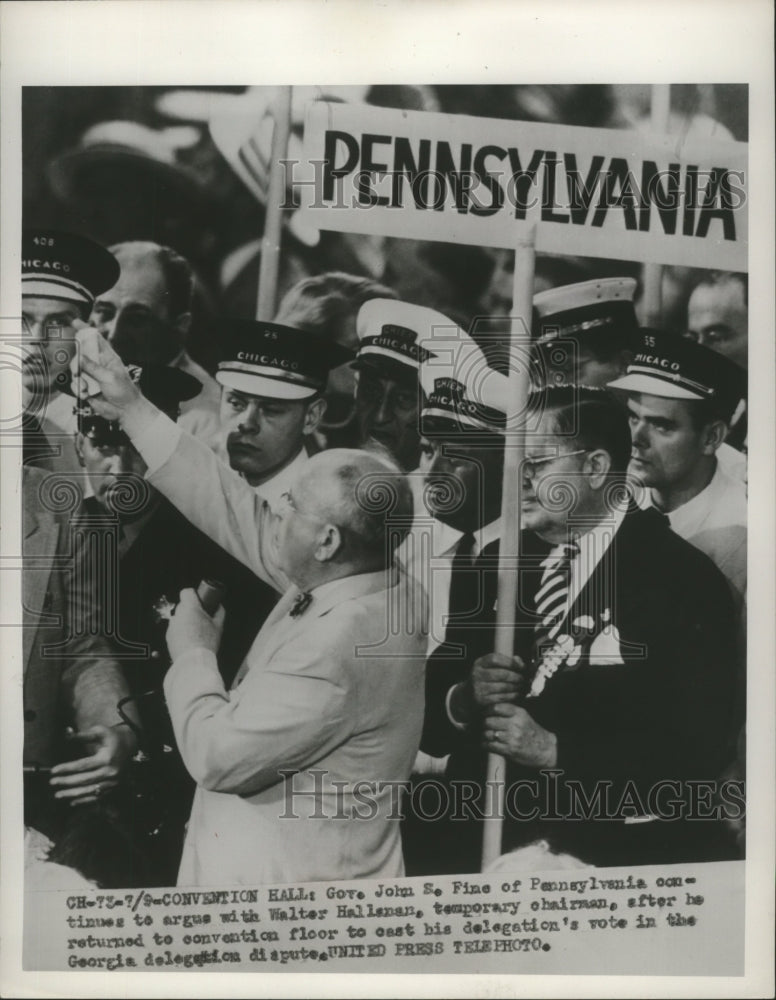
[(644, 697), (168, 555), (70, 675)]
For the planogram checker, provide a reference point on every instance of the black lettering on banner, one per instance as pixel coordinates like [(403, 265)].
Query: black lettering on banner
[(717, 190), (457, 177), (366, 195), (416, 171), (665, 197), (581, 192), (690, 200), (332, 172), (617, 191), (522, 180), (488, 181), (548, 190)]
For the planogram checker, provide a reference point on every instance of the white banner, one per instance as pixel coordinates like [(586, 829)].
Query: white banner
[(593, 192)]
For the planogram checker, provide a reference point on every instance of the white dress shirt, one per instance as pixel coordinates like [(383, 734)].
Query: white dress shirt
[(714, 521), (276, 485), (200, 416)]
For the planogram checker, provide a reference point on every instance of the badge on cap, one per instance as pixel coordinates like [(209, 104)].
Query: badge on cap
[(59, 265), (584, 309), (463, 393), (665, 364), (276, 361), (391, 336)]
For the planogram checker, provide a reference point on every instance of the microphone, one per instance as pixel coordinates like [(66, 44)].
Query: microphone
[(210, 594)]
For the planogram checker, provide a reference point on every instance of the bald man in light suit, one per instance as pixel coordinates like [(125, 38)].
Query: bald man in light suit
[(329, 702)]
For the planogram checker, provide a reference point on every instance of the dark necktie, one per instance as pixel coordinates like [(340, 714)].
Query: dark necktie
[(464, 585), (473, 586), (552, 596)]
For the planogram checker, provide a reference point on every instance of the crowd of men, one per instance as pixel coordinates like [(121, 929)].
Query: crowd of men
[(331, 716)]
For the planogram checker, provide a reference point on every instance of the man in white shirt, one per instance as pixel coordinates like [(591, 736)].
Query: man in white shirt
[(328, 704), (681, 397), (272, 381)]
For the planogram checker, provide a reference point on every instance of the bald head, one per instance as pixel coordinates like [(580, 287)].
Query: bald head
[(346, 513), (359, 492)]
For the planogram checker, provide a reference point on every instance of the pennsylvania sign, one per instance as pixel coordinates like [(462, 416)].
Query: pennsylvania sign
[(594, 192)]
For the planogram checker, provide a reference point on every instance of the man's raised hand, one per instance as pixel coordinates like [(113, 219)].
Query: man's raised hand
[(99, 374)]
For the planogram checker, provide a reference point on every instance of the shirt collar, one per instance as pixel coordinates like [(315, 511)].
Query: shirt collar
[(447, 538), (693, 512), (328, 595), (486, 534), (280, 483)]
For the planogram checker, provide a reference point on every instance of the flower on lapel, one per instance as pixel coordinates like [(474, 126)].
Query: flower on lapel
[(551, 660), (596, 641)]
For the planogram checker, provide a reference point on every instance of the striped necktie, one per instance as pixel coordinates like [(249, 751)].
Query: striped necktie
[(552, 595)]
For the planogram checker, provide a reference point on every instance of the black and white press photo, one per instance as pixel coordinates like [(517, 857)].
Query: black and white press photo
[(382, 459)]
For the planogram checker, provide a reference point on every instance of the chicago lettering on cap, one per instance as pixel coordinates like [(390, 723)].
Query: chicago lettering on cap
[(463, 393), (59, 265), (391, 333), (665, 364), (585, 309), (277, 361)]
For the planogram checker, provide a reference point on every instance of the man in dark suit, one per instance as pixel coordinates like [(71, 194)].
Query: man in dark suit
[(157, 553), (617, 703), (76, 748), (463, 493)]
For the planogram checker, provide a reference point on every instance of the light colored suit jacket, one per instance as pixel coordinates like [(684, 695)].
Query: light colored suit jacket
[(299, 766)]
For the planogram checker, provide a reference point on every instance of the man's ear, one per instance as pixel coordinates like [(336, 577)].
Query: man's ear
[(330, 542), (714, 435), (313, 415), (182, 323), (598, 464), (79, 448)]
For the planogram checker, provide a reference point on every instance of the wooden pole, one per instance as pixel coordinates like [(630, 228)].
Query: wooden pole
[(514, 452), (270, 243), (653, 273)]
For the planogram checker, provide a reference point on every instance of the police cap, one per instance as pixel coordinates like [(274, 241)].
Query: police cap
[(394, 337), (277, 361), (585, 310), (59, 265), (665, 364)]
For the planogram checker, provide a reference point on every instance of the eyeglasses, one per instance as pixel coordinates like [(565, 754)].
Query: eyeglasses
[(530, 465)]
